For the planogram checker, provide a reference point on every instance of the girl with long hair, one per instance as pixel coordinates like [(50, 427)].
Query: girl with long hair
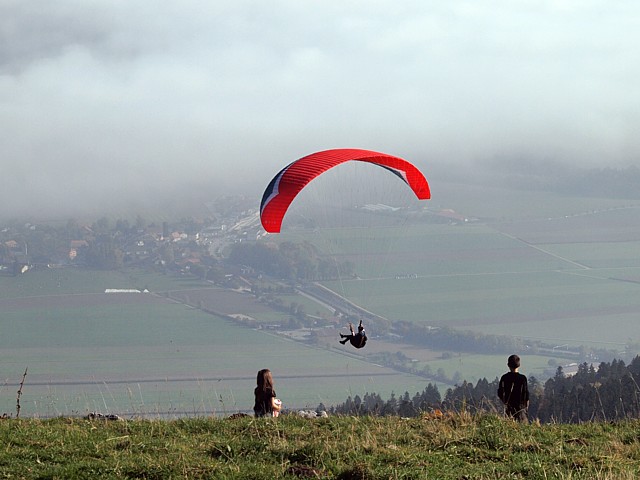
[(266, 404)]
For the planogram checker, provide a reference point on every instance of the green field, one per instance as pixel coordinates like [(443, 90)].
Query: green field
[(530, 264), (566, 271), (141, 354), (473, 367), (56, 281), (483, 277)]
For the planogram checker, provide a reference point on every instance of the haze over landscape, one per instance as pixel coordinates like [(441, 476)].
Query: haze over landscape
[(122, 122), (120, 105), (142, 282)]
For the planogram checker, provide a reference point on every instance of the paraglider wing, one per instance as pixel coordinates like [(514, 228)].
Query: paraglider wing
[(284, 187)]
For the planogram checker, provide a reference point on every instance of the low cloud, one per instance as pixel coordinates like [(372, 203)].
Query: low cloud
[(132, 102)]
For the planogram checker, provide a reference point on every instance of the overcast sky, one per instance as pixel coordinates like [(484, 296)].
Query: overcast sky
[(105, 100)]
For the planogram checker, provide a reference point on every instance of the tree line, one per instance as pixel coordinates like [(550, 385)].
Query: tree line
[(607, 392), (540, 175)]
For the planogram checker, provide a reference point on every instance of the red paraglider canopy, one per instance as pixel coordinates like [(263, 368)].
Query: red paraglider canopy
[(284, 187)]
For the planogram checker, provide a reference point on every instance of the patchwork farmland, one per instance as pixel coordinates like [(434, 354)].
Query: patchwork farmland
[(570, 278), (145, 354)]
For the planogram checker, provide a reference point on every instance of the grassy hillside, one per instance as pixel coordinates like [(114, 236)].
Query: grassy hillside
[(458, 446)]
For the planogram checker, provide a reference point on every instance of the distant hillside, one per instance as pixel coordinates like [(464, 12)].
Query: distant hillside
[(568, 179)]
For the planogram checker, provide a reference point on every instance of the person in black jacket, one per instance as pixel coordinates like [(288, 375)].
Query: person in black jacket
[(513, 390), (358, 340)]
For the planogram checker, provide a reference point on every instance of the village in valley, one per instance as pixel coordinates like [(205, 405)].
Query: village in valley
[(197, 245), (191, 244)]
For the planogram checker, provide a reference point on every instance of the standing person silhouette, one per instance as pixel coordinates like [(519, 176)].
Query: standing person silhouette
[(513, 390), (266, 404)]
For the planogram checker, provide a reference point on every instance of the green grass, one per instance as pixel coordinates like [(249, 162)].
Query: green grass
[(449, 447)]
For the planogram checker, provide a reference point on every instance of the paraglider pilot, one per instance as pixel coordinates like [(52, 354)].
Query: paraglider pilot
[(358, 340)]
